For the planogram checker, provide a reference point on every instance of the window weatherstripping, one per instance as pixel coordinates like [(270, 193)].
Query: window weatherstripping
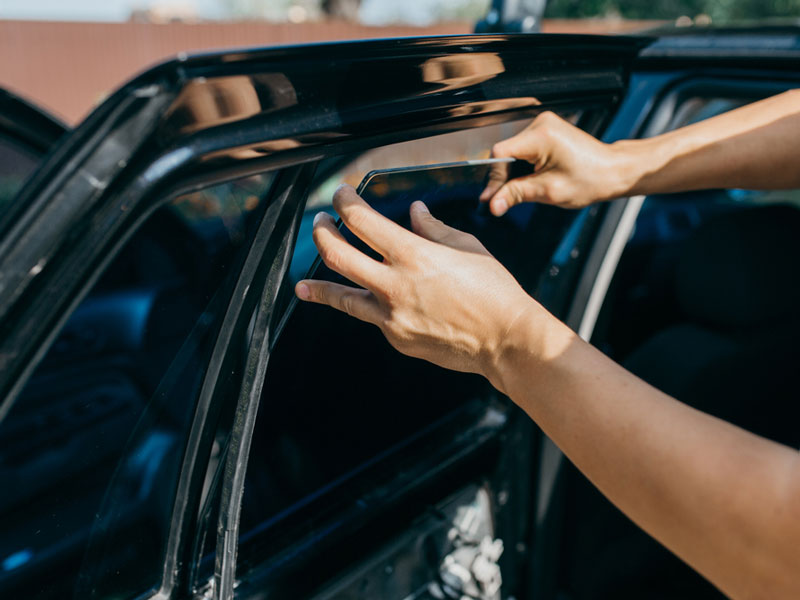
[(282, 223), (607, 268)]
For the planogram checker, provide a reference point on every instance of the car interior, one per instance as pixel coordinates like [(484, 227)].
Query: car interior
[(703, 307)]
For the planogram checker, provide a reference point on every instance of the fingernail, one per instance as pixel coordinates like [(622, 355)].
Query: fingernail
[(302, 291), (319, 216), (420, 206), (339, 187), (500, 206)]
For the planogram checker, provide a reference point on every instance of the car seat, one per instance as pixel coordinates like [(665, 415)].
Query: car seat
[(734, 354)]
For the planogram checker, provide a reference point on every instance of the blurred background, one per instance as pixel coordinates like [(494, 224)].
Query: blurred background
[(67, 56)]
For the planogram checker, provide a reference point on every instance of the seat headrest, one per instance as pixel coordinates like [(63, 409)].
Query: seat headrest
[(740, 270)]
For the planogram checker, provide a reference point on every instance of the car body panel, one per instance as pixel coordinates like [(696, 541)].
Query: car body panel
[(184, 124)]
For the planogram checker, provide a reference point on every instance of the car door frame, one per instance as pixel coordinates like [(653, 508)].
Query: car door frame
[(28, 125), (145, 145)]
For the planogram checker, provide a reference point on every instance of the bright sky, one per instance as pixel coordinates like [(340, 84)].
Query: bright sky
[(87, 10), (372, 11)]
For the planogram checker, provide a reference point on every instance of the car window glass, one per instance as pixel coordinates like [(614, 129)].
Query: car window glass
[(90, 452), (16, 164), (460, 145), (338, 399)]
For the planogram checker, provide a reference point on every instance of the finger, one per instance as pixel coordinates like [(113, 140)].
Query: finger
[(530, 143), (424, 224), (378, 232), (338, 255), (517, 191), (498, 175), (357, 303)]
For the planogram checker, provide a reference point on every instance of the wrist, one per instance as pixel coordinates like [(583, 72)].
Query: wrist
[(628, 166), (532, 343)]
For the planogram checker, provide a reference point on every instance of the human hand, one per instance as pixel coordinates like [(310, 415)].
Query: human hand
[(438, 294), (571, 168)]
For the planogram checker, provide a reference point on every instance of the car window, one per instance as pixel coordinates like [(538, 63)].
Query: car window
[(90, 452), (338, 399), (470, 144), (16, 165)]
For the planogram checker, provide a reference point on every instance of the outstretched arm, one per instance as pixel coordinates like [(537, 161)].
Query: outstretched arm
[(752, 147), (724, 500)]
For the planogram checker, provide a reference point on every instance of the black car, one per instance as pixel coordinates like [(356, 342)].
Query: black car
[(174, 425)]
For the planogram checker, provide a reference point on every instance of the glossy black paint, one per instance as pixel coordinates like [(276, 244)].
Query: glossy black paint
[(193, 121), (29, 125)]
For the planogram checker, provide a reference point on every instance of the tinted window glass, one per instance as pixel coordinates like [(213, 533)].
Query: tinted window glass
[(338, 399), (90, 452)]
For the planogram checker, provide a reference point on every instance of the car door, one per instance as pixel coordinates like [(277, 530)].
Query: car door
[(377, 523)]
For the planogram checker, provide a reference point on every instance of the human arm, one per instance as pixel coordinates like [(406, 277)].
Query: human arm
[(724, 500), (751, 147)]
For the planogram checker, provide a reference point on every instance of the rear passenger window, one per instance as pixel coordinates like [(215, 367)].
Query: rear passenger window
[(90, 452)]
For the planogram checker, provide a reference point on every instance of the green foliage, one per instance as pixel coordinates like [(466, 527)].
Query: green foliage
[(721, 11), (461, 10)]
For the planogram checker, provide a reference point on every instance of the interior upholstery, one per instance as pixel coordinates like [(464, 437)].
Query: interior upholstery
[(734, 355)]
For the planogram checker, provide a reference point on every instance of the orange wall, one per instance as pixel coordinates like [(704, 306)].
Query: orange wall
[(68, 67)]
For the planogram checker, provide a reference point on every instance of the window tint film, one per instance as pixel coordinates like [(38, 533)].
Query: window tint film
[(339, 402), (89, 454)]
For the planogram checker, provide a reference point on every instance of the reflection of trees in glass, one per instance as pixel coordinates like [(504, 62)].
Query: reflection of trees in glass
[(718, 10), (341, 9), (465, 10)]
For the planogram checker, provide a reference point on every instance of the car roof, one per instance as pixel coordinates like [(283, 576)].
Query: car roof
[(739, 45)]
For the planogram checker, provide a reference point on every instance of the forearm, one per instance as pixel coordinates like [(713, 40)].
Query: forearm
[(724, 500), (752, 147)]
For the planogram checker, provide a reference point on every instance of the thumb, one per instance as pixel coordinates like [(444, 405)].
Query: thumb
[(524, 189), (426, 225)]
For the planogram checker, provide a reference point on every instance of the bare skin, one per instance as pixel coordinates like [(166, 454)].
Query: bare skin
[(724, 500), (753, 147)]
